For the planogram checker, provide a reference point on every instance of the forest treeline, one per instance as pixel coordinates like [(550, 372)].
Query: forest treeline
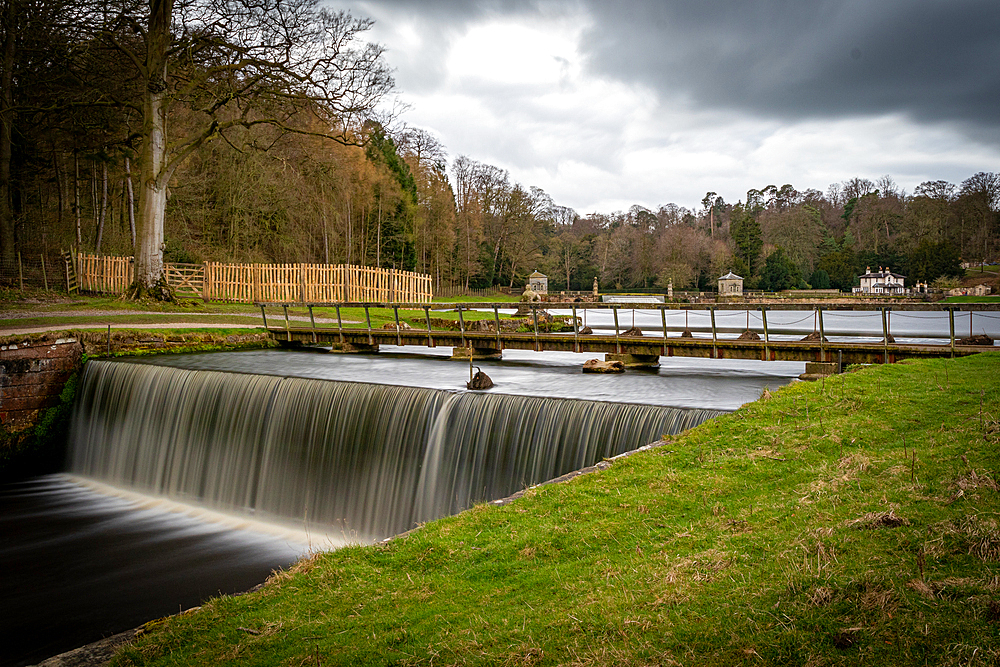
[(389, 195)]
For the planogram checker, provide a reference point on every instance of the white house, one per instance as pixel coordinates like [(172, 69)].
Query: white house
[(882, 281)]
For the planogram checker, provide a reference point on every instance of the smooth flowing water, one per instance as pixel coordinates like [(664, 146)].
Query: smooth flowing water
[(354, 461), (176, 462)]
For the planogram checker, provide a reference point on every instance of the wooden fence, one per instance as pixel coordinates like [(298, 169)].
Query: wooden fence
[(104, 273), (276, 283)]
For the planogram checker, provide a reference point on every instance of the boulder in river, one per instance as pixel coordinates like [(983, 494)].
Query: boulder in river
[(598, 366), (479, 381), (978, 339)]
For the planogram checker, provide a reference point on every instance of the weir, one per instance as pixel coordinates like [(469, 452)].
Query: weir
[(355, 460)]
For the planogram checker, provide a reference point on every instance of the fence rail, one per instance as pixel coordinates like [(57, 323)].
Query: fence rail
[(250, 283)]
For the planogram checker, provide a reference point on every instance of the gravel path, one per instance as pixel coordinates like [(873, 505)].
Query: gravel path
[(171, 321)]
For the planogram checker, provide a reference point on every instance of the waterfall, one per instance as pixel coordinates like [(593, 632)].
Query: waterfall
[(362, 460)]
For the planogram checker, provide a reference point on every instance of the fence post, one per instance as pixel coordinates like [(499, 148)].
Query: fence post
[(496, 318), (302, 280), (45, 277), (395, 312), (20, 271), (576, 332), (885, 338), (951, 326), (822, 336), (663, 319), (763, 319), (715, 338), (427, 316), (618, 345)]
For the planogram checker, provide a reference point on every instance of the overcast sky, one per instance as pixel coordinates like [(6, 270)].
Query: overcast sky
[(607, 104)]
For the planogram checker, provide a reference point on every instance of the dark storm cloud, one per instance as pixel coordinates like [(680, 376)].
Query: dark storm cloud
[(784, 59), (932, 60)]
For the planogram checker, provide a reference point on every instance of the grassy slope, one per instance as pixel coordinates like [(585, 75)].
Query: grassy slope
[(744, 540), (852, 521)]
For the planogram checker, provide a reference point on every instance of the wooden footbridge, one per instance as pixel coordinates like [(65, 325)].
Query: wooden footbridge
[(488, 338)]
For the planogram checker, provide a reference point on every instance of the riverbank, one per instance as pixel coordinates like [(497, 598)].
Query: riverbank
[(839, 522)]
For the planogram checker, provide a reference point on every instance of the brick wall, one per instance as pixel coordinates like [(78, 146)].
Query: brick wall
[(32, 375)]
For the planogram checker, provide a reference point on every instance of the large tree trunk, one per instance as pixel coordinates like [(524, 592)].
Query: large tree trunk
[(154, 174), (8, 253)]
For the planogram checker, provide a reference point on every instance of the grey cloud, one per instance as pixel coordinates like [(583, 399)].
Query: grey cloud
[(933, 61)]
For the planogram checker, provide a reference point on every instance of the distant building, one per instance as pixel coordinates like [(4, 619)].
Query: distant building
[(978, 290), (882, 281), (730, 285), (538, 283)]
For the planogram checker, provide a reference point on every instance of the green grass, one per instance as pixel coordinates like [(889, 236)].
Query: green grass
[(972, 299), (496, 298), (850, 521)]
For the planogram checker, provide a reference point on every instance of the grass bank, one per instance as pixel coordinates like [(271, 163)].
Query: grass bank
[(850, 521)]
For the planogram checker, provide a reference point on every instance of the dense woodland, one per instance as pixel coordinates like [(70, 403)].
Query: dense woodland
[(297, 178)]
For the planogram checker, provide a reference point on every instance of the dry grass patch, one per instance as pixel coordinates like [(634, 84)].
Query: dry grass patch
[(876, 520)]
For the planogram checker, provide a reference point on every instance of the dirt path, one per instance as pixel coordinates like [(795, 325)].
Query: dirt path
[(170, 321), (17, 331)]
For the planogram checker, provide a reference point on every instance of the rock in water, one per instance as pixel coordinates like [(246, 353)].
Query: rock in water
[(598, 366), (978, 339), (479, 381)]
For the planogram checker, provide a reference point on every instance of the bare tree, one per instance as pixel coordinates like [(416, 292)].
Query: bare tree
[(233, 64)]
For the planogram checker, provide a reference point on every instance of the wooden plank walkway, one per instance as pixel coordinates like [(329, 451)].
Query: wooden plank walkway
[(365, 338)]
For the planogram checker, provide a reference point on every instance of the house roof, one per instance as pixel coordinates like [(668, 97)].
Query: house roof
[(882, 274), (536, 274), (730, 276)]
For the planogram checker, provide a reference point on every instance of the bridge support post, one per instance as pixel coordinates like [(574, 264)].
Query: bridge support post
[(475, 353), (819, 369), (635, 360)]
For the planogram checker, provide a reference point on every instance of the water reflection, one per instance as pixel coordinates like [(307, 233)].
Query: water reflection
[(79, 565)]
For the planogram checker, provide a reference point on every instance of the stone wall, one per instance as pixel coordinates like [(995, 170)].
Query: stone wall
[(32, 376), (36, 387)]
